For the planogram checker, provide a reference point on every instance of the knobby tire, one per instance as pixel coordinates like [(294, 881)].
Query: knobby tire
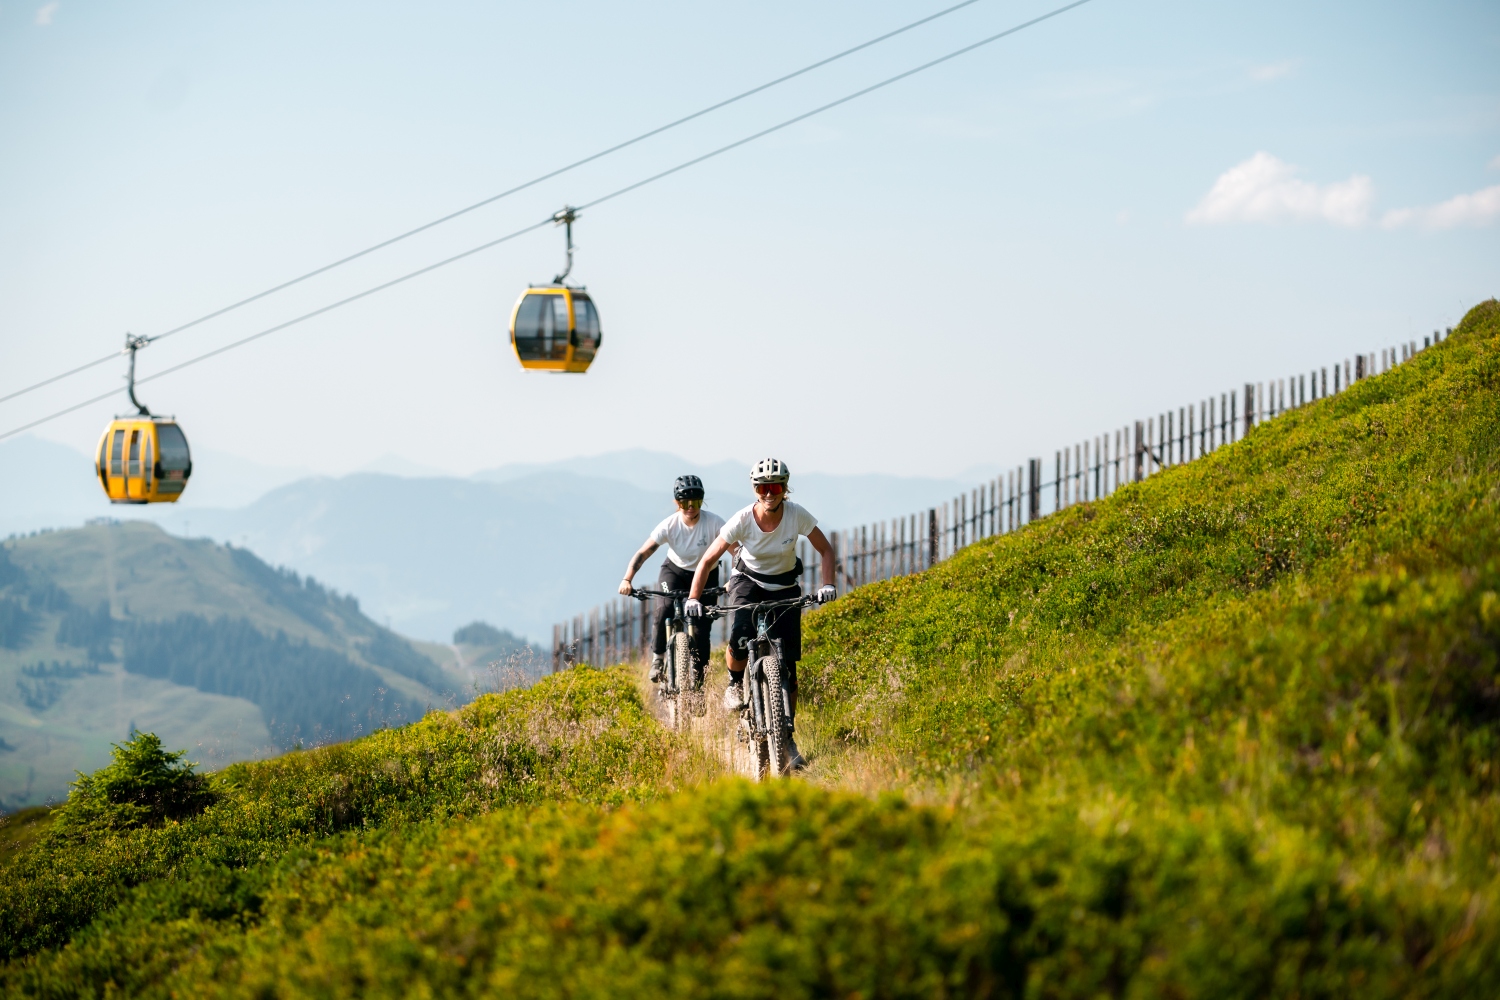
[(681, 677), (775, 718)]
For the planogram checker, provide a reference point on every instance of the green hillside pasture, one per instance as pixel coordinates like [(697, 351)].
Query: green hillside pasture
[(582, 736), (42, 747), (287, 658), (143, 573)]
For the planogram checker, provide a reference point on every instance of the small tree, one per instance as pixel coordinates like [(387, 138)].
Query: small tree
[(143, 785)]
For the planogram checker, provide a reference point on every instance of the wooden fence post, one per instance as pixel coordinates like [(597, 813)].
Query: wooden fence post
[(1057, 482), (1140, 453), (1034, 489)]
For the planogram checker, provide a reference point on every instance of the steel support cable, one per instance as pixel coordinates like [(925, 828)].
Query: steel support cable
[(515, 190), (549, 221), (833, 104), (291, 322), (58, 378)]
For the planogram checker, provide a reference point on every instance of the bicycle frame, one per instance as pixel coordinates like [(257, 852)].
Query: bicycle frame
[(677, 623), (754, 717)]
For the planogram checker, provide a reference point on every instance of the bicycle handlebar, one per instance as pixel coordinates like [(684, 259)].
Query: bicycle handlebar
[(721, 610), (643, 595)]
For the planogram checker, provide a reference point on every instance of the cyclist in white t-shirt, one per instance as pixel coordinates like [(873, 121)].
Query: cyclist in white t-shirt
[(766, 568), (687, 533)]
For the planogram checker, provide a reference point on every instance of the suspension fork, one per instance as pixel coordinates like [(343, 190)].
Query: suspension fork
[(757, 679), (785, 694)]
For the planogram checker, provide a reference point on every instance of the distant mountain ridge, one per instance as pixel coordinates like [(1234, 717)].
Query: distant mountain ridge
[(522, 545)]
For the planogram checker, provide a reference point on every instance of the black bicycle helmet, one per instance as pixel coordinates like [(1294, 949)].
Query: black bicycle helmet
[(687, 488)]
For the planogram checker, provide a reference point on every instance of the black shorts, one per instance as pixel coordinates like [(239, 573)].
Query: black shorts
[(786, 626), (674, 577)]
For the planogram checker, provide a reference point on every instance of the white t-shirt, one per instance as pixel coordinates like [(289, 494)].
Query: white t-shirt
[(685, 545), (769, 552)]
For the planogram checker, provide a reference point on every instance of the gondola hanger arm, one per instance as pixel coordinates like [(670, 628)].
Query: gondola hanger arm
[(133, 344), (565, 217)]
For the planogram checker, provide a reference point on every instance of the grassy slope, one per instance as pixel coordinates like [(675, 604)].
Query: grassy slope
[(584, 738), (1232, 732)]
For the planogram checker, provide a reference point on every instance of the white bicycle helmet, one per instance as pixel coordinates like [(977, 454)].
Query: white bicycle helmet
[(770, 470)]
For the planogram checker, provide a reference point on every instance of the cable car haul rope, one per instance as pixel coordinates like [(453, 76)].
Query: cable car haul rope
[(533, 331)]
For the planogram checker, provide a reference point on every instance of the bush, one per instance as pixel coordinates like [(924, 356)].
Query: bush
[(142, 786)]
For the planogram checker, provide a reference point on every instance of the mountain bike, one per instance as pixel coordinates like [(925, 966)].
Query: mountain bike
[(765, 723), (681, 684)]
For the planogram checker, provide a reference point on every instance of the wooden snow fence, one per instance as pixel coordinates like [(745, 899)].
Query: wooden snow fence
[(620, 629)]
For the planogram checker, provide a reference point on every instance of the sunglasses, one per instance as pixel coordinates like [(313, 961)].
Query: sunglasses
[(690, 503), (770, 489)]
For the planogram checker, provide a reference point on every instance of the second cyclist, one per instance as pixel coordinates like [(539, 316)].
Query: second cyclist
[(687, 534)]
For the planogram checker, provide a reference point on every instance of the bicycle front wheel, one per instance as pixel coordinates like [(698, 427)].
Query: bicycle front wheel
[(681, 679), (775, 716)]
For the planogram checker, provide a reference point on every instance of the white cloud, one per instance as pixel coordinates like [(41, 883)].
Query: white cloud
[(1272, 71), (1478, 209), (44, 13), (1264, 189)]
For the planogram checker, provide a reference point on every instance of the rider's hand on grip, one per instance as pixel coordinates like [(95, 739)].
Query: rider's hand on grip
[(693, 608), (625, 587), (826, 594)]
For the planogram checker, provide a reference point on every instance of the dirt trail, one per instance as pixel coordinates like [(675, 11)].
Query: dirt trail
[(713, 729)]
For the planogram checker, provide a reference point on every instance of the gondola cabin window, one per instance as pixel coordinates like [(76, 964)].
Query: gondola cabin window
[(586, 327), (555, 328), (542, 328)]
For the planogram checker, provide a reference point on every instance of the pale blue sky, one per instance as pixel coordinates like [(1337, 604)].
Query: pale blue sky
[(1036, 242)]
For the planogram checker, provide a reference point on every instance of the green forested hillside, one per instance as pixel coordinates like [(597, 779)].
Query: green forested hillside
[(1233, 732), (117, 626)]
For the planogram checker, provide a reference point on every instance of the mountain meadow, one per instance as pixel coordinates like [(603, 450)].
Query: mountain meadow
[(114, 627), (1233, 731)]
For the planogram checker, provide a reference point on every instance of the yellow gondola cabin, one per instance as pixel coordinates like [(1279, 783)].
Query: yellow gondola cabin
[(555, 328), (143, 459)]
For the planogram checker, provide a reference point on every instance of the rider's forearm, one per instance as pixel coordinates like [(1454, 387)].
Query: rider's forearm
[(825, 556), (706, 565), (637, 560)]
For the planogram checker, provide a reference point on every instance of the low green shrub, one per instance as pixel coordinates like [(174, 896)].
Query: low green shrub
[(143, 785), (787, 890)]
